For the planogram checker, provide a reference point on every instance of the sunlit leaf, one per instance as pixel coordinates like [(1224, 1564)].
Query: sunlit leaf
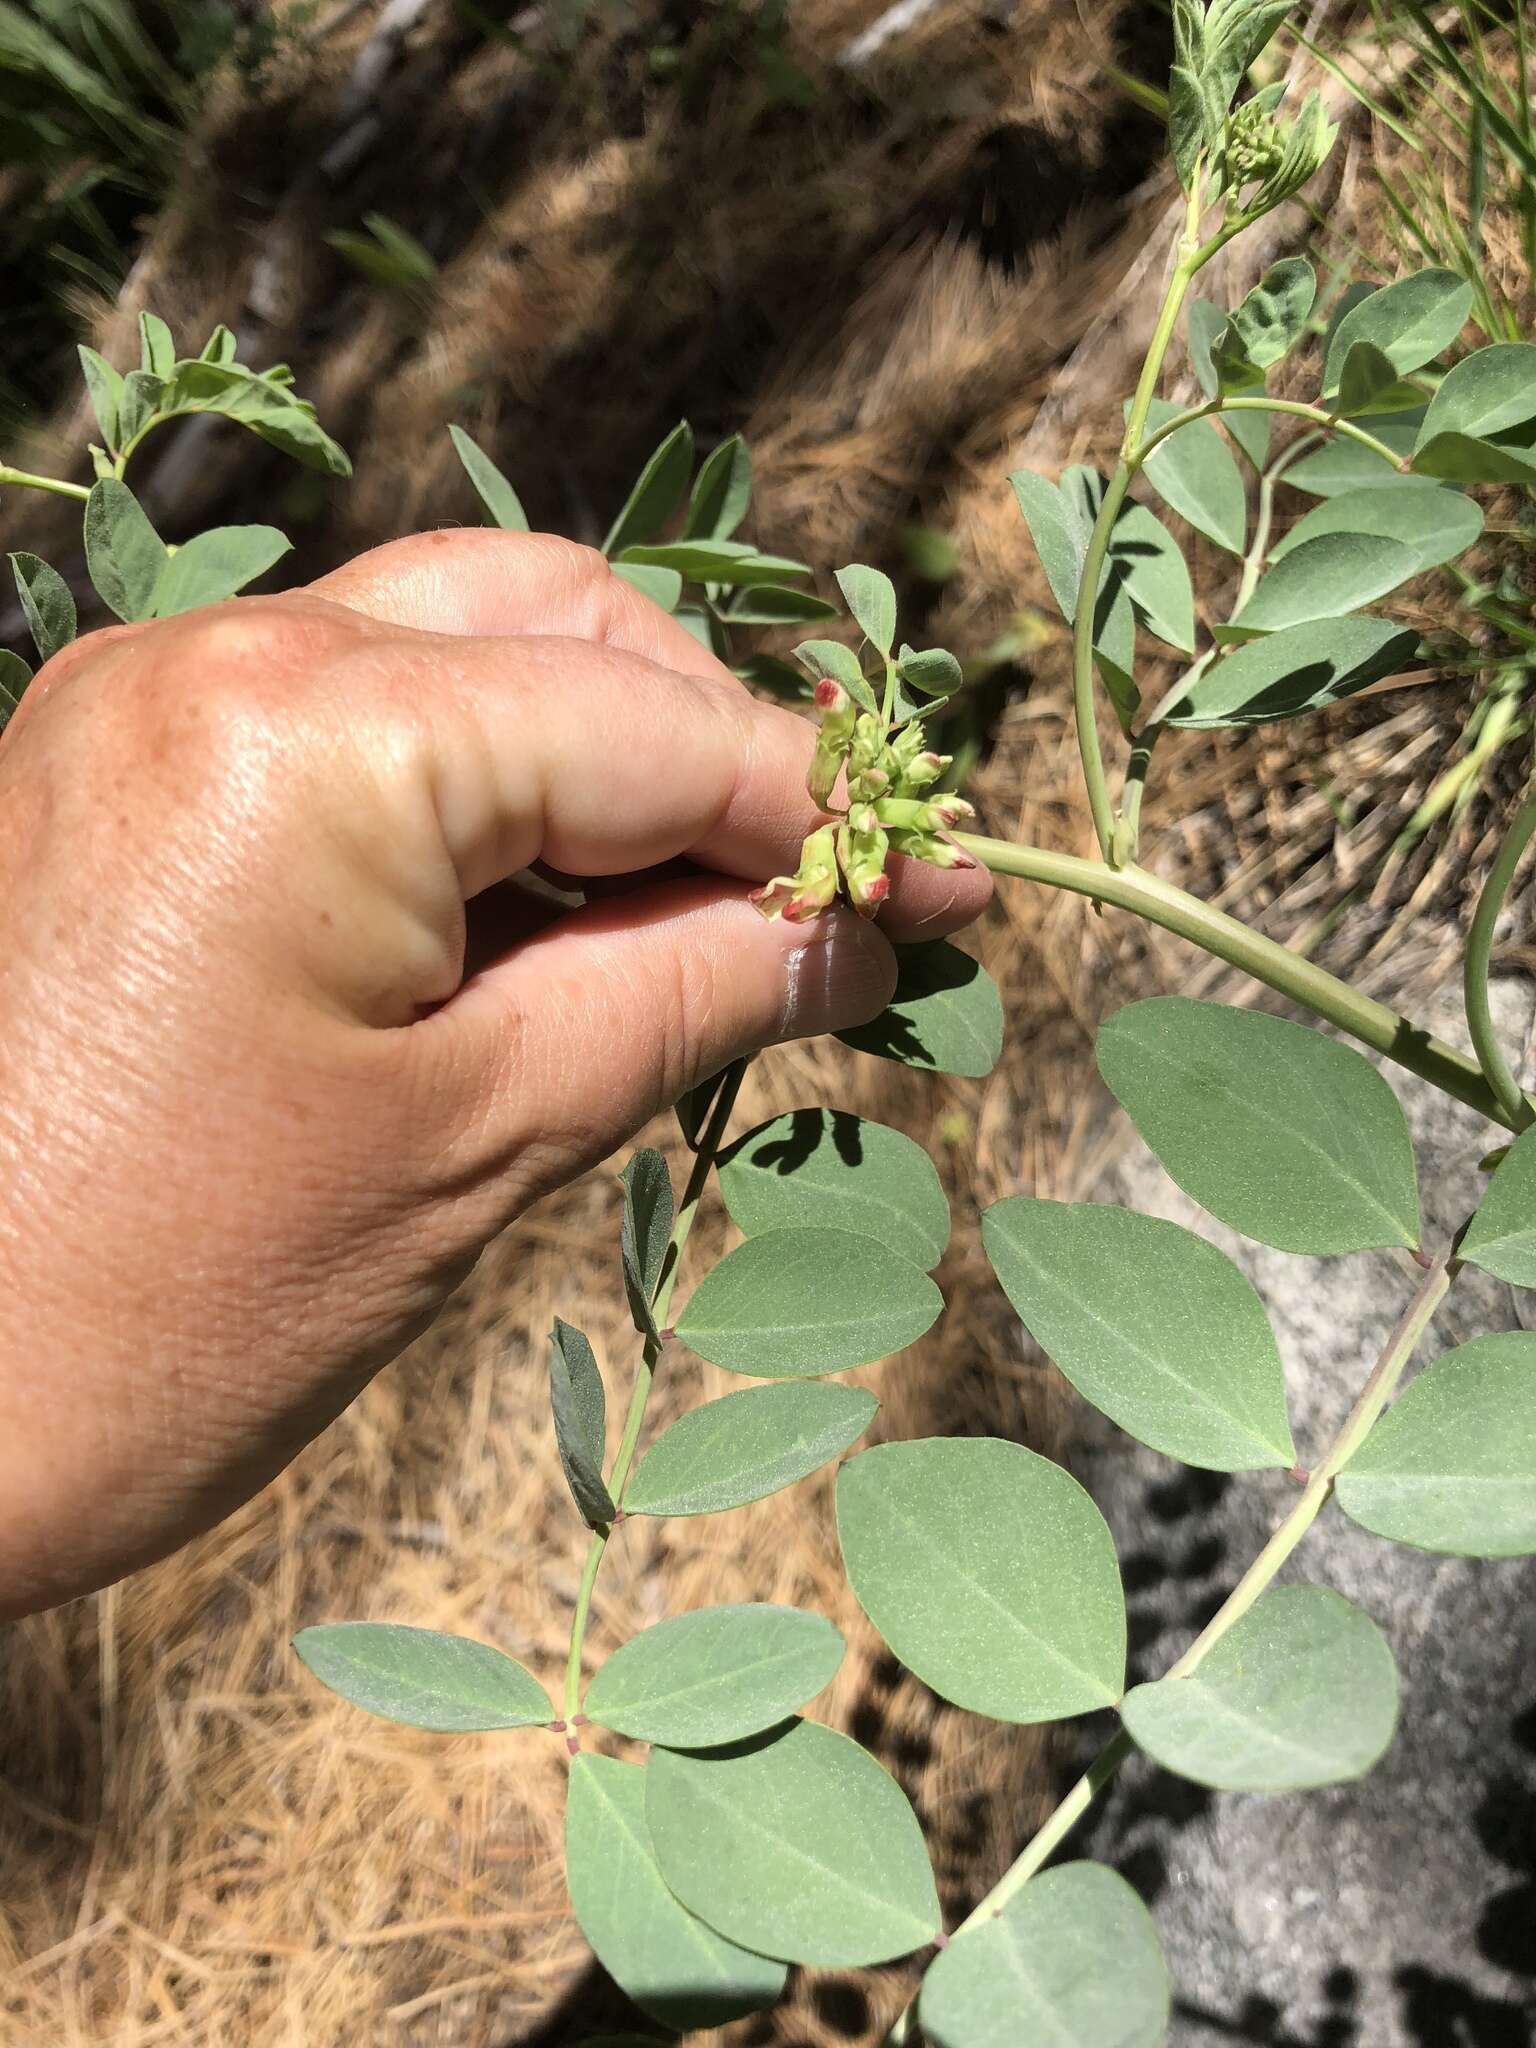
[(104, 387), (662, 1956), (1156, 576), (157, 348), (1072, 1960), (1149, 1323), (822, 1166), (1344, 465), (1301, 1692), (1501, 1238), (945, 1016), (1485, 395), (1451, 1466), (1410, 322), (747, 1446), (491, 487), (657, 493), (990, 1573), (664, 587), (1196, 473), (871, 598), (1301, 668), (795, 1303), (722, 492), (1436, 525), (714, 1676), (423, 1679), (1282, 1133), (217, 564), (797, 1841), (1324, 578), (126, 558), (1060, 537), (46, 602)]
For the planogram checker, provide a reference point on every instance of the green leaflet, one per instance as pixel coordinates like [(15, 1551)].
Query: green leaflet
[(730, 562), (871, 597), (1457, 458), (795, 1303), (1369, 384), (645, 1233), (1196, 474), (1072, 1960), (1151, 1324), (104, 387), (157, 349), (832, 658), (1501, 1238), (216, 565), (1410, 322), (1301, 1692), (747, 1446), (1345, 466), (722, 492), (46, 602), (579, 1406), (1300, 668), (1451, 1466), (1060, 538), (662, 1956), (664, 587), (1324, 578), (930, 671), (769, 605), (125, 556), (1250, 430), (491, 487), (14, 678), (714, 1676), (1268, 324), (934, 1534), (1486, 395), (946, 1015), (1156, 576), (797, 1841), (1435, 524), (822, 1166), (657, 493), (423, 1679), (1280, 1132)]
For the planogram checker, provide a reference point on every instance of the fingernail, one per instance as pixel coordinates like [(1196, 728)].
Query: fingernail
[(838, 972)]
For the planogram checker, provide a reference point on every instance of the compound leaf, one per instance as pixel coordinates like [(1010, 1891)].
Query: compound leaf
[(1300, 668), (491, 487), (1073, 1959), (747, 1446), (47, 602), (946, 1015), (1451, 1466), (1501, 1238), (1151, 1324), (662, 1956), (823, 1166), (797, 1841), (1280, 1132), (795, 1303), (1301, 1692), (215, 565), (125, 556), (645, 1232), (423, 1679), (990, 1573), (580, 1410), (714, 1676), (657, 493)]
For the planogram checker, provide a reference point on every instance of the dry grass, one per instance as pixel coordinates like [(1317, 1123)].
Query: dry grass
[(200, 1846)]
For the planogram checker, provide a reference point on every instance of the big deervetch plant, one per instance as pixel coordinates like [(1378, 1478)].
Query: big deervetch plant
[(753, 1838)]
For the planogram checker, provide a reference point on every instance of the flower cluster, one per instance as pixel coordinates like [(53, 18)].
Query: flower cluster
[(888, 812)]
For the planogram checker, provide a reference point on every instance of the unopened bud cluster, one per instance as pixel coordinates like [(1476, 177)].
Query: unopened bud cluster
[(888, 812), (1255, 148)]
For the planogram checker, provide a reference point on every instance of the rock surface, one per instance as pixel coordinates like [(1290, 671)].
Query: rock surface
[(1399, 1912)]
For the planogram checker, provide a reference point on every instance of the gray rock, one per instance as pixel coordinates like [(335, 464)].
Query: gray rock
[(1399, 1912)]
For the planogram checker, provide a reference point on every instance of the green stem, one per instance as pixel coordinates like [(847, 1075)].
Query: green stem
[(661, 1302), (1255, 1582), (1190, 257), (1292, 406), (1513, 1107), (25, 480), (1372, 1023)]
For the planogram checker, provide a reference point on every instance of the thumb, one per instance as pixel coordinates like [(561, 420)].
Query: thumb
[(552, 1057)]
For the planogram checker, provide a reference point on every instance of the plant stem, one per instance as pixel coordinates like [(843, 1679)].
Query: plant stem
[(1513, 1107), (661, 1301), (1256, 1581), (1190, 257), (1292, 406), (25, 480), (1372, 1023)]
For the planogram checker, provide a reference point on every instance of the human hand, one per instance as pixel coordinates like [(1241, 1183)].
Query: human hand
[(269, 1086)]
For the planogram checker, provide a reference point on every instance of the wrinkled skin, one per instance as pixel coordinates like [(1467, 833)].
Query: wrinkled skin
[(284, 1044)]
